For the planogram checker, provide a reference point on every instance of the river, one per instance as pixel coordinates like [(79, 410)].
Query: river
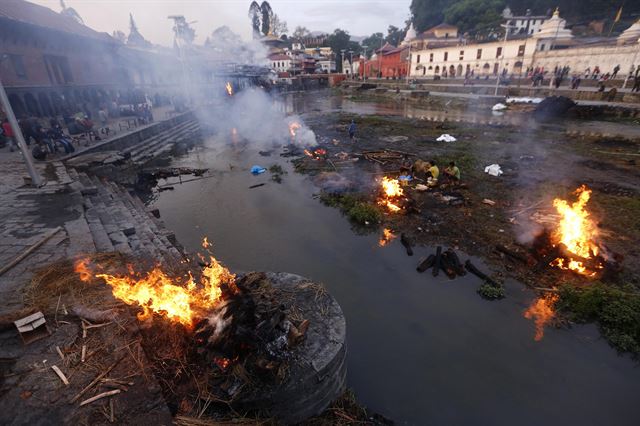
[(422, 350)]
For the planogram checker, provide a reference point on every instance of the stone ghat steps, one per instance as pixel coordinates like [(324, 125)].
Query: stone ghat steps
[(162, 143), (119, 221)]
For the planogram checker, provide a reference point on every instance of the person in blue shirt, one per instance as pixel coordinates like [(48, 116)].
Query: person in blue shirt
[(352, 130)]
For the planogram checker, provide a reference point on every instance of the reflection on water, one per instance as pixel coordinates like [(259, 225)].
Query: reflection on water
[(321, 102), (422, 350)]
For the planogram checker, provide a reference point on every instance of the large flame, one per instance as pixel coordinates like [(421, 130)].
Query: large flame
[(179, 299), (541, 312), (576, 231), (391, 191), (293, 129), (229, 88)]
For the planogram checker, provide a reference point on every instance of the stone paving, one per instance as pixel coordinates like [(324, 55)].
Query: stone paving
[(94, 215)]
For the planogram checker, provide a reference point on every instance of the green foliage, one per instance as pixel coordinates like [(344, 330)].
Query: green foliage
[(491, 292), (373, 42), (394, 35), (615, 309), (354, 206), (481, 16), (475, 16), (341, 40)]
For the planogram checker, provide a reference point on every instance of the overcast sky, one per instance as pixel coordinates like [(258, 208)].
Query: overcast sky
[(358, 17)]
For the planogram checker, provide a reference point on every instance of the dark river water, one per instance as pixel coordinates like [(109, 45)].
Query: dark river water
[(422, 350)]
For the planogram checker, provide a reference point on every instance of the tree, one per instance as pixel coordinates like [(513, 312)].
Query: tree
[(395, 35), (267, 16), (373, 42), (278, 27), (254, 15), (300, 33), (341, 40), (428, 13)]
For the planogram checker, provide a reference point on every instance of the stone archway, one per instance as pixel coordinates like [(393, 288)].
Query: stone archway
[(437, 70), (32, 105), (18, 106), (459, 71), (452, 71), (485, 68)]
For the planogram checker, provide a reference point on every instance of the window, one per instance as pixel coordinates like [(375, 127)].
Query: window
[(418, 59), (430, 57), (446, 35), (521, 50), (446, 56), (58, 69), (479, 54), (542, 47), (18, 66), (461, 55), (498, 52)]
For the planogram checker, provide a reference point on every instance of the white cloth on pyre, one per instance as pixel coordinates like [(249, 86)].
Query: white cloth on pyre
[(499, 107)]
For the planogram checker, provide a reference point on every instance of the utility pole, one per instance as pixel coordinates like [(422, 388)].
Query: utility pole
[(364, 62), (504, 48), (351, 63), (380, 59), (342, 60), (36, 180), (409, 65)]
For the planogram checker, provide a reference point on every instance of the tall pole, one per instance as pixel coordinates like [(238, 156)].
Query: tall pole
[(36, 180), (409, 65), (364, 62), (380, 59), (504, 48), (351, 63)]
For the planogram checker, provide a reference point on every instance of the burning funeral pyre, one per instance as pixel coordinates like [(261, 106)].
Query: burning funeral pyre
[(240, 333), (391, 194), (229, 88), (573, 243)]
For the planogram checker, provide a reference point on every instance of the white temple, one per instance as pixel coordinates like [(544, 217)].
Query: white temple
[(411, 34), (631, 34), (555, 29)]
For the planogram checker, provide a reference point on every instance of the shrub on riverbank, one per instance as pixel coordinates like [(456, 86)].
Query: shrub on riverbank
[(354, 206), (615, 309)]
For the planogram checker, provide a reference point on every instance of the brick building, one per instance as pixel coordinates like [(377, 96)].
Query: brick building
[(50, 63)]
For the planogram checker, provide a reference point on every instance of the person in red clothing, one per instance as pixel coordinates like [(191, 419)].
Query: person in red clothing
[(8, 134)]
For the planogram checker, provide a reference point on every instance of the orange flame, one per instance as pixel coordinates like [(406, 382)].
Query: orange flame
[(81, 267), (541, 311), (293, 128), (386, 238), (576, 231), (229, 88), (180, 300), (392, 190)]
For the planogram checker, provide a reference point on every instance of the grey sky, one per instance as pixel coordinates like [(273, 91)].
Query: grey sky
[(359, 17)]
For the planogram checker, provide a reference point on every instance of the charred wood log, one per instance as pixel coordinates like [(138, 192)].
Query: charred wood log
[(512, 254), (436, 261), (453, 257), (407, 243), (475, 271), (426, 263), (447, 265)]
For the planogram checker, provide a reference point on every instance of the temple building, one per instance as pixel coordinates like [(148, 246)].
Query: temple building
[(552, 45)]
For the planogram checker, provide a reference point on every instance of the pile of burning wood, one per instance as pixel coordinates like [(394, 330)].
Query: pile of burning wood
[(570, 241), (231, 330)]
